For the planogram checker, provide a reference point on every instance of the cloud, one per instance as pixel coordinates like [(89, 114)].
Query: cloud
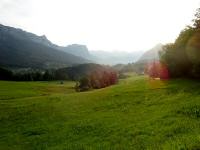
[(14, 8), (15, 12)]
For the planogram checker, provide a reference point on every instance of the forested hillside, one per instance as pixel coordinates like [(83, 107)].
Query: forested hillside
[(22, 49), (183, 56)]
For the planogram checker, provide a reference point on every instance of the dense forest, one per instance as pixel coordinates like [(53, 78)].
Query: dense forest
[(182, 57)]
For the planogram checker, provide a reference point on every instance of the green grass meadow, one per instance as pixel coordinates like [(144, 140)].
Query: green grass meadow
[(137, 113)]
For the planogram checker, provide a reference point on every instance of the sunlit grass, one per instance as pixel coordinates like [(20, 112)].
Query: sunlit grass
[(137, 113)]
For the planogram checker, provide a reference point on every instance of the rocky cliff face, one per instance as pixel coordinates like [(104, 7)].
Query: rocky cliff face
[(77, 50)]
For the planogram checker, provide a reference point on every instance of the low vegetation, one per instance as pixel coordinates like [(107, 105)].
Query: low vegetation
[(137, 113)]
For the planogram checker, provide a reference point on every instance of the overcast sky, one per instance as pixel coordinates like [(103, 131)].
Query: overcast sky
[(121, 25)]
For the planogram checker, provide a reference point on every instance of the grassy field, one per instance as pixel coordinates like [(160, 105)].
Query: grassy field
[(138, 113)]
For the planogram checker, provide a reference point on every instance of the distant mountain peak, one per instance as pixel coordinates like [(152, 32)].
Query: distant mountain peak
[(152, 54), (44, 37), (77, 50)]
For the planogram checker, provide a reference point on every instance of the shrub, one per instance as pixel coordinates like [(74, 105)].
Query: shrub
[(97, 80)]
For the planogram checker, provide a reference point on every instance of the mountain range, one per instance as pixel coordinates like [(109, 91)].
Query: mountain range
[(21, 49), (113, 58)]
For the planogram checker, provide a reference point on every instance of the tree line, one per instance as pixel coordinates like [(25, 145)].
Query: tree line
[(87, 76), (182, 57), (8, 75)]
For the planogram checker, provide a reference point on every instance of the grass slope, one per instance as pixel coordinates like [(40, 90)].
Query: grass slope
[(138, 113)]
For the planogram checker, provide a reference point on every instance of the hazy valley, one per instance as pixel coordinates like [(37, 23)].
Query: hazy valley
[(99, 75)]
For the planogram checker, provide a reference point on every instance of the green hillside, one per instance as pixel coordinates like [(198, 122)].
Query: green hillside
[(138, 113)]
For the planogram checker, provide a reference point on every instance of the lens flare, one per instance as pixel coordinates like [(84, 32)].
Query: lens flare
[(157, 70)]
